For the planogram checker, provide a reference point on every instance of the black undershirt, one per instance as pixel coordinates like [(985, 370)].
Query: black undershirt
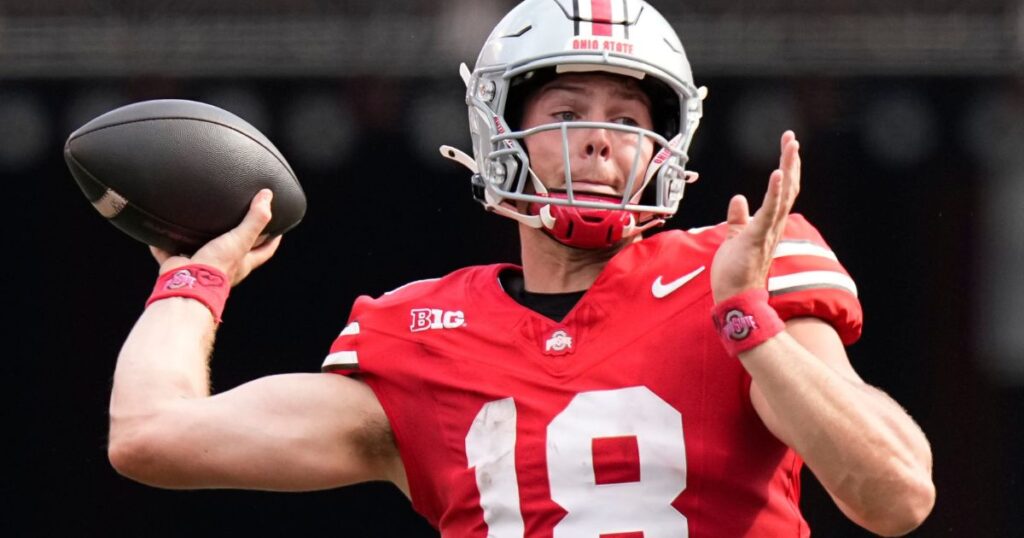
[(551, 305)]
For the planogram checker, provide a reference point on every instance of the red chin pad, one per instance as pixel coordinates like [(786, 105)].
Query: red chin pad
[(584, 227)]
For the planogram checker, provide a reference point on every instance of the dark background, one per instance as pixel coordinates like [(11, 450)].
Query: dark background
[(911, 167)]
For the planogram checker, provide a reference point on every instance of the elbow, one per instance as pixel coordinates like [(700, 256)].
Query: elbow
[(131, 453), (918, 506), (907, 511), (123, 458), (137, 449)]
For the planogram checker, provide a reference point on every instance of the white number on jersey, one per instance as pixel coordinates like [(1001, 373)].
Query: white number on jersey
[(593, 509), (491, 449)]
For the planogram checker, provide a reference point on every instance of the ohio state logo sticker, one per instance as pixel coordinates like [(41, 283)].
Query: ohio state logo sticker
[(558, 343)]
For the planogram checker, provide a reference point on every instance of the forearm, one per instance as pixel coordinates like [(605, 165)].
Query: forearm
[(294, 432), (163, 360), (863, 447)]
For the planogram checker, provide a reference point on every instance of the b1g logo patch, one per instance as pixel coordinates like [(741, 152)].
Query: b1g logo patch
[(424, 319)]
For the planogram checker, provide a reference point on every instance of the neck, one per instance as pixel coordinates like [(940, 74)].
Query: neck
[(551, 267)]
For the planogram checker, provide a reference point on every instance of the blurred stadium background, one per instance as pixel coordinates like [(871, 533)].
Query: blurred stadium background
[(911, 114)]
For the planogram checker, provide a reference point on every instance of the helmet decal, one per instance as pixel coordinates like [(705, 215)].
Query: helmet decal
[(601, 18)]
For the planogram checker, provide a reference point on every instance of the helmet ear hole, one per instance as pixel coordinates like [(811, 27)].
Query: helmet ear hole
[(665, 107)]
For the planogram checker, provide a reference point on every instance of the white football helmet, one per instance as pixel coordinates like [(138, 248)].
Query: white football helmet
[(539, 39)]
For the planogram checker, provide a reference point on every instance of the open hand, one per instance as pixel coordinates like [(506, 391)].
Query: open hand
[(236, 252), (744, 258)]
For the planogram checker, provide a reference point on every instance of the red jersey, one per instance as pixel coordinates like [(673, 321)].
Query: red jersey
[(625, 419)]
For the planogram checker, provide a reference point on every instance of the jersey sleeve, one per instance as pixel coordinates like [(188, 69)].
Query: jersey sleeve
[(806, 279), (343, 357), (371, 348)]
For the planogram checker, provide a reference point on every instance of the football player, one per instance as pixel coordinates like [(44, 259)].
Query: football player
[(609, 385)]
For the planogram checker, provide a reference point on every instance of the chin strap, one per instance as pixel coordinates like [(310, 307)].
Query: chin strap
[(584, 227), (459, 156), (490, 203), (588, 228)]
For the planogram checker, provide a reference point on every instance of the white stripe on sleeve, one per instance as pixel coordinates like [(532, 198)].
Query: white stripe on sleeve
[(811, 279), (347, 360), (802, 248)]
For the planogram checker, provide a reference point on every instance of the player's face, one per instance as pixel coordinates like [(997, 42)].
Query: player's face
[(600, 159)]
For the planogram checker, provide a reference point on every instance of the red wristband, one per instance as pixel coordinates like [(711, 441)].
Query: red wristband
[(206, 284), (746, 320)]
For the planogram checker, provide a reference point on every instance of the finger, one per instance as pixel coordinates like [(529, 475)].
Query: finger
[(256, 219), (785, 139), (264, 252), (159, 254), (769, 221), (790, 166), (167, 261), (767, 214), (263, 238), (789, 160)]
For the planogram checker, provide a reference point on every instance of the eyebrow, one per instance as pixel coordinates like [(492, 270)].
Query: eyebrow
[(584, 89)]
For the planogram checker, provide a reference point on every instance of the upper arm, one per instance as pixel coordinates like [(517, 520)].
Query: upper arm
[(286, 432), (822, 340)]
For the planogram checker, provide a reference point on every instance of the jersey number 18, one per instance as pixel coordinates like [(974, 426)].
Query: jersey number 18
[(592, 509)]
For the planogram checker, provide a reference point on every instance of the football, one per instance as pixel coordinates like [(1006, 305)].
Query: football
[(175, 173)]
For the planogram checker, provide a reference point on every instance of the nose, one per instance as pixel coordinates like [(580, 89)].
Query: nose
[(596, 143)]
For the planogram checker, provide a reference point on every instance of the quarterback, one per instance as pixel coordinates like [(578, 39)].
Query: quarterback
[(607, 385)]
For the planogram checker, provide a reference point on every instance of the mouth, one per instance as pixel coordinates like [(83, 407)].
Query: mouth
[(584, 186), (594, 196)]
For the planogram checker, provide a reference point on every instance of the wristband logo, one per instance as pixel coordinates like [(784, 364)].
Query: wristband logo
[(209, 278), (185, 279), (181, 279), (738, 325)]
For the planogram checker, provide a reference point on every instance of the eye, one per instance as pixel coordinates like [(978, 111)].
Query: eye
[(626, 121), (565, 115)]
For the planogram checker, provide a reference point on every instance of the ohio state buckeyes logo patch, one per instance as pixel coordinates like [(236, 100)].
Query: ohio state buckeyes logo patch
[(737, 325), (181, 279), (185, 278), (559, 342)]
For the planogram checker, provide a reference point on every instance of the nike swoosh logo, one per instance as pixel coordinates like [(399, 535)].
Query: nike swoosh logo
[(661, 290)]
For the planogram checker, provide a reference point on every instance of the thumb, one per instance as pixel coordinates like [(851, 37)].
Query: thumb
[(257, 218), (738, 215)]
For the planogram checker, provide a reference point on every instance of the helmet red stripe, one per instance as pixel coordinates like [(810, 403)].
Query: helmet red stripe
[(601, 14)]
